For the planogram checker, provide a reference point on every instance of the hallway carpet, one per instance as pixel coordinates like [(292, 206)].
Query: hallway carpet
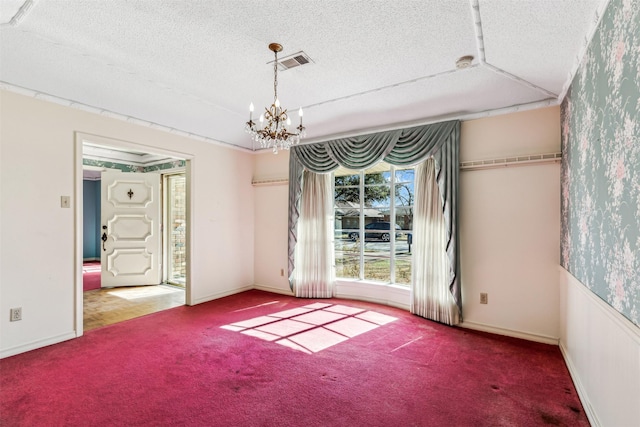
[(91, 275), (261, 359)]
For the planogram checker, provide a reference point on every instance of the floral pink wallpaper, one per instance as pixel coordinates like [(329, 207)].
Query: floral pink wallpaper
[(601, 163)]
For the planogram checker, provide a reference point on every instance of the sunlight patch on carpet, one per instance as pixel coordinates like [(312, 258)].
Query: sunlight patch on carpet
[(256, 321), (292, 312), (318, 339), (319, 317), (343, 309), (313, 327), (259, 334), (377, 318), (285, 327), (351, 327)]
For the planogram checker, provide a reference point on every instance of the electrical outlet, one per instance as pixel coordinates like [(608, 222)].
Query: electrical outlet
[(15, 314), (65, 201), (282, 272), (484, 298)]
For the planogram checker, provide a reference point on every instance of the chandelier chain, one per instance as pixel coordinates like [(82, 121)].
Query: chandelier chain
[(275, 78)]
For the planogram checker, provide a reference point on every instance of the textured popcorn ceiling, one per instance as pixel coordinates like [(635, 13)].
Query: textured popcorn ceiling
[(194, 66)]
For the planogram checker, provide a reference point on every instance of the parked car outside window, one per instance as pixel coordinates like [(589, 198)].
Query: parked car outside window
[(376, 231)]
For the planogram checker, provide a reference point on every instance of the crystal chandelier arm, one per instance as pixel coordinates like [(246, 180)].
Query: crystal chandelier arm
[(275, 132)]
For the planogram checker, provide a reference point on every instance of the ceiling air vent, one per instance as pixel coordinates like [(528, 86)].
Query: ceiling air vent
[(295, 60)]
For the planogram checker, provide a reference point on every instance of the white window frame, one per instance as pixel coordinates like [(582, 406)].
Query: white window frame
[(392, 233)]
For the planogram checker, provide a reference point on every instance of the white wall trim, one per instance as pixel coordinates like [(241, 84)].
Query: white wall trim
[(580, 388), (223, 294), (112, 114), (632, 331), (273, 290), (384, 294), (469, 165), (530, 159), (428, 121), (586, 42), (33, 345), (601, 349), (269, 182), (390, 295), (476, 326), (359, 297), (78, 222)]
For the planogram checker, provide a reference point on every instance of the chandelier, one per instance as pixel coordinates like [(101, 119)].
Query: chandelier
[(274, 131)]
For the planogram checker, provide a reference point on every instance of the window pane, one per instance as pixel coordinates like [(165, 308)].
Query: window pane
[(377, 190), (177, 221), (377, 177), (404, 176), (347, 250), (347, 189), (377, 233), (403, 248), (377, 268), (347, 223), (347, 259), (404, 218)]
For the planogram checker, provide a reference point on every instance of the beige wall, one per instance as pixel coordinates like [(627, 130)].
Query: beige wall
[(37, 244), (271, 221), (509, 228)]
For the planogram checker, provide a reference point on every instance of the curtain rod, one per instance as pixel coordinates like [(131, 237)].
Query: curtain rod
[(533, 159)]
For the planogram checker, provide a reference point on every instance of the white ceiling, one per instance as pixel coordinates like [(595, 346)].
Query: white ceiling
[(193, 67)]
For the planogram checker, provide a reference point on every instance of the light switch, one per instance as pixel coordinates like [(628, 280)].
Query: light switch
[(65, 201)]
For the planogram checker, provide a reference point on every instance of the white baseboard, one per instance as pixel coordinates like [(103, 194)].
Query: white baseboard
[(273, 290), (223, 294), (341, 294), (358, 297), (582, 391), (361, 290), (37, 344), (545, 339)]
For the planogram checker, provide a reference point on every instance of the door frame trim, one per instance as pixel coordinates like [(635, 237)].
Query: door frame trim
[(164, 215), (79, 139)]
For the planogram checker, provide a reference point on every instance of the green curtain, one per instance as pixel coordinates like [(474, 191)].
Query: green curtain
[(402, 147)]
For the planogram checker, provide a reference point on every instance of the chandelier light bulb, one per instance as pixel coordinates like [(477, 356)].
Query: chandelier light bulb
[(261, 118), (288, 121), (251, 107), (300, 113)]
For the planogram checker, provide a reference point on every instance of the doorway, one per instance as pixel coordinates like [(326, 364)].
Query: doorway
[(103, 306)]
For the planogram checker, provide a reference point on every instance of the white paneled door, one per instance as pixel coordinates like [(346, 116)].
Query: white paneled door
[(130, 239)]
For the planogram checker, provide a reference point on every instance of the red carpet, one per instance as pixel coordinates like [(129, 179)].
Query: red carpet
[(181, 367), (91, 275)]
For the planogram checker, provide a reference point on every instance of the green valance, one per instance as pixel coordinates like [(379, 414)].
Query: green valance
[(402, 147)]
